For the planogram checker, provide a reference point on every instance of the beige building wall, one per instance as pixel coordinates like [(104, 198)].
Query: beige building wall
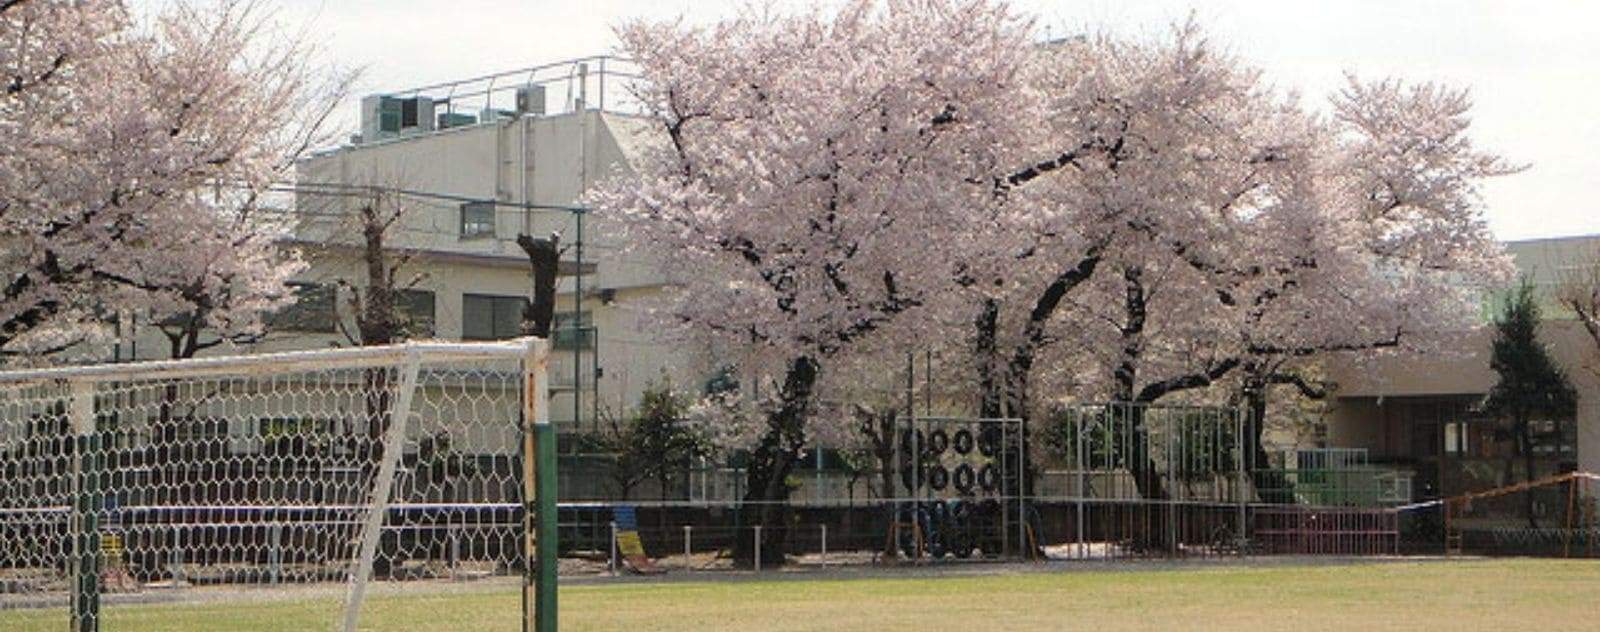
[(543, 160), (1361, 420)]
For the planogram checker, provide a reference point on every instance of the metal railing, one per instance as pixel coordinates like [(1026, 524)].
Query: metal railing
[(596, 82)]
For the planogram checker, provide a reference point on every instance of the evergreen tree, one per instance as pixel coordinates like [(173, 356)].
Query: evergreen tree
[(1531, 385), (650, 442)]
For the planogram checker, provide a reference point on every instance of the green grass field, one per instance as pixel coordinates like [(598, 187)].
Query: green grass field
[(1459, 596)]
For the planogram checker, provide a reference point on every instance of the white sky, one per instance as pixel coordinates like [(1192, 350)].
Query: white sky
[(1533, 67)]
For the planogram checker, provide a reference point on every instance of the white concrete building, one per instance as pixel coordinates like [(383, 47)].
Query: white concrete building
[(479, 162), (485, 160)]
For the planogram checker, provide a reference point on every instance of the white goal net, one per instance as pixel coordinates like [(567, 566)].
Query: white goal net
[(296, 479)]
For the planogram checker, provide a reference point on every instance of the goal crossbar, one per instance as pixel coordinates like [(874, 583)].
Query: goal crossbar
[(264, 363)]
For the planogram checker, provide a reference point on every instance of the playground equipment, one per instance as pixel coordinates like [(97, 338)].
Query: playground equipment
[(963, 489), (625, 532)]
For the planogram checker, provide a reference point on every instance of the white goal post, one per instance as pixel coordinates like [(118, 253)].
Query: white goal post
[(310, 476)]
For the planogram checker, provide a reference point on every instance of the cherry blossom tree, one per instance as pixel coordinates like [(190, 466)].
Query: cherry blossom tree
[(233, 274), (1097, 218), (1183, 221), (136, 150), (810, 171), (1254, 234)]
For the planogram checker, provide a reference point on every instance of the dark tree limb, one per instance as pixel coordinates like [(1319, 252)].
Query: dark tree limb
[(544, 257)]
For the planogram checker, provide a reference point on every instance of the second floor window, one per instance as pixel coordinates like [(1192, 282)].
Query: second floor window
[(312, 311), (485, 317), (477, 219)]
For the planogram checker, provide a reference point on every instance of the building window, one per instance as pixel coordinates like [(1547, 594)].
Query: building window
[(485, 317), (569, 333), (477, 219), (311, 312), (416, 308), (1455, 438), (1552, 437)]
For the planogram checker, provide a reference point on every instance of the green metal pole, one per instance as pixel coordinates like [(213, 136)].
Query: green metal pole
[(85, 527), (539, 493), (545, 583)]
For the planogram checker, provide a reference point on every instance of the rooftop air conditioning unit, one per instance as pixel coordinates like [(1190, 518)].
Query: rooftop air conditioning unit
[(490, 115), (530, 100), (448, 120), (384, 116)]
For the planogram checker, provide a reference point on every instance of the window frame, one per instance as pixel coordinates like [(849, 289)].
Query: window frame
[(406, 300), (302, 316), (479, 229), (496, 303), (565, 338)]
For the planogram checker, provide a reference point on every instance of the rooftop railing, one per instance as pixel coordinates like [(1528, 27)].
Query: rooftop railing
[(598, 82)]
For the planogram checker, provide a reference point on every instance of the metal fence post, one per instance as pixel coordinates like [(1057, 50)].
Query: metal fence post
[(85, 525), (1083, 487), (758, 547), (688, 550), (1024, 546), (824, 544), (1172, 426), (611, 560), (1242, 488), (455, 549)]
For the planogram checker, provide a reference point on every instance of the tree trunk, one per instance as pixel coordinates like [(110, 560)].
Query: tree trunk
[(767, 491), (1272, 485), (989, 386), (883, 439), (544, 257), (1525, 446), (1147, 478)]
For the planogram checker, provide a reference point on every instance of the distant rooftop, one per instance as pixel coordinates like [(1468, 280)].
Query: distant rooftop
[(1594, 237), (595, 83)]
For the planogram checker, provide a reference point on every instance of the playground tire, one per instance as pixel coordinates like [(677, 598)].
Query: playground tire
[(960, 530), (985, 528), (938, 530), (911, 440), (989, 477), (908, 477), (962, 441), (964, 478), (938, 441), (907, 517), (989, 440), (938, 478)]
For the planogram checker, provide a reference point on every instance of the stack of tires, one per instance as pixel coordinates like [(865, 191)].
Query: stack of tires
[(961, 464)]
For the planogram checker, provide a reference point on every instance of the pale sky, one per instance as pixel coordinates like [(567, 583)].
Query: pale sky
[(1532, 66)]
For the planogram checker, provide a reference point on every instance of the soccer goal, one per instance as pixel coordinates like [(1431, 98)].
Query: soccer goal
[(311, 479)]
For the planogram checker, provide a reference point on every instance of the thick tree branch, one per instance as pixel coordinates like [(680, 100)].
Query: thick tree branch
[(1307, 388), (1156, 390)]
